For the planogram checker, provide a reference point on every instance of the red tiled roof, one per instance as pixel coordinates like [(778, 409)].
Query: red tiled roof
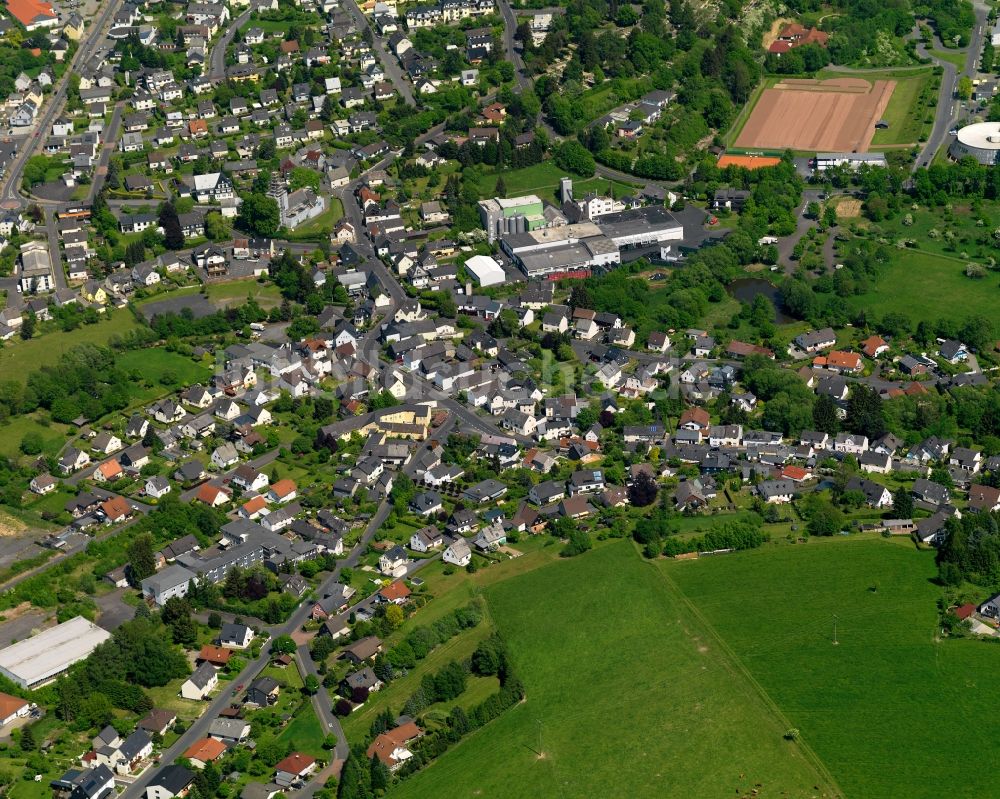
[(258, 503), (208, 493), (110, 469), (795, 473), (216, 655), (394, 591), (283, 487), (698, 416), (206, 750), (384, 745), (116, 508), (871, 345), (27, 11), (9, 705), (791, 31), (295, 763), (839, 360)]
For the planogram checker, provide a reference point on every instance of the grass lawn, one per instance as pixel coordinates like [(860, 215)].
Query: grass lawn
[(235, 292), (889, 681), (304, 733), (543, 179), (15, 428), (905, 113), (627, 695), (956, 57), (915, 282), (19, 358), (321, 225), (154, 363)]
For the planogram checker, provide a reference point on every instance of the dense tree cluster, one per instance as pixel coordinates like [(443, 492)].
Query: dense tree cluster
[(252, 592), (138, 655), (731, 535), (362, 778), (84, 381), (971, 550)]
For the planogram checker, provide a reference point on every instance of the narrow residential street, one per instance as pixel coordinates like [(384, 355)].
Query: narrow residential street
[(388, 60)]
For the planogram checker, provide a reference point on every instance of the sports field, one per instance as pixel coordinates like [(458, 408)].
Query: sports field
[(627, 695), (889, 709), (834, 115)]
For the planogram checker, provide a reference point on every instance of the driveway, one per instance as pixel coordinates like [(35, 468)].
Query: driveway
[(114, 611)]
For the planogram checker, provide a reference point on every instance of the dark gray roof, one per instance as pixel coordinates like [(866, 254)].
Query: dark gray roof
[(134, 744), (173, 778), (233, 631), (202, 675)]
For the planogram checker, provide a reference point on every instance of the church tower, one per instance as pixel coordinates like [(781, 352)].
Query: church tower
[(279, 192)]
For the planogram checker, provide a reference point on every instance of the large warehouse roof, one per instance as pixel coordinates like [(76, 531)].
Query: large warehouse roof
[(486, 271), (646, 224), (46, 655)]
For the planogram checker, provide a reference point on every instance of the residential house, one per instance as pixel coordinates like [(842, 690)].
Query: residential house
[(235, 636), (201, 682), (458, 553), (294, 769)]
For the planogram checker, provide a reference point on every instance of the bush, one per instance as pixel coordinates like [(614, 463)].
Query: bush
[(579, 542), (343, 708)]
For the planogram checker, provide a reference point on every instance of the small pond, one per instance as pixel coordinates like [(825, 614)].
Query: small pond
[(747, 289)]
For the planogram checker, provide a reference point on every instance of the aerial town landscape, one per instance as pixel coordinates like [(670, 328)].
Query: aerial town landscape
[(486, 398)]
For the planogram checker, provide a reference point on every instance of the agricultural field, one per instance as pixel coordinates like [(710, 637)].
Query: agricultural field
[(620, 676), (835, 114), (861, 704)]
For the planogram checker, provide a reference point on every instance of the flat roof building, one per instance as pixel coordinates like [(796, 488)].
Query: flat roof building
[(853, 160), (565, 251), (641, 226), (485, 270), (981, 140), (43, 657)]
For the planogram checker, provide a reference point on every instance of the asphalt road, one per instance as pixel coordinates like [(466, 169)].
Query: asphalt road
[(948, 107), (389, 62), (786, 244), (92, 37), (107, 150), (217, 66), (513, 54)]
